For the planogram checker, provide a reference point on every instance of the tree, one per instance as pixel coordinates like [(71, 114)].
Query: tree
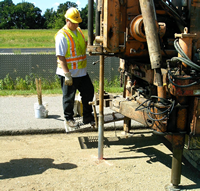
[(50, 18), (6, 12), (55, 19), (59, 23), (27, 16), (84, 16), (62, 8)]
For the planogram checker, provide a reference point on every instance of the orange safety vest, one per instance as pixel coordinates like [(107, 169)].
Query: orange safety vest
[(76, 52)]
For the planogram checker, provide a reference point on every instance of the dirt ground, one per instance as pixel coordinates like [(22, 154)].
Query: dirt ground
[(70, 162)]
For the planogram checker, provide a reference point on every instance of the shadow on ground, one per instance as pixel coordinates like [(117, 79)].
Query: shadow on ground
[(30, 166), (144, 144)]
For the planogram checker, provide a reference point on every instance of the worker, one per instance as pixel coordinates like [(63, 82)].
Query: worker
[(71, 46)]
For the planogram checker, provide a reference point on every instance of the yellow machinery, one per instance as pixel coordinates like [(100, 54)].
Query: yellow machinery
[(158, 43)]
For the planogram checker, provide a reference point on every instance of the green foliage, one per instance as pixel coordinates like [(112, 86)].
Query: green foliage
[(59, 23), (27, 86), (6, 11), (29, 92), (62, 8), (8, 83), (50, 17), (1, 84), (84, 16), (21, 16), (26, 16), (28, 83), (109, 86), (20, 84)]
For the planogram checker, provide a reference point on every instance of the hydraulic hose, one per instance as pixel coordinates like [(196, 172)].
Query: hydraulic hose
[(184, 57)]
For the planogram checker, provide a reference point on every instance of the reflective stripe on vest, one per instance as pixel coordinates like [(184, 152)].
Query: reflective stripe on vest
[(76, 60), (81, 33), (72, 48)]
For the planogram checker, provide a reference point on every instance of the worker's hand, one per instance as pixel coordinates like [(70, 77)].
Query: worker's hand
[(68, 79)]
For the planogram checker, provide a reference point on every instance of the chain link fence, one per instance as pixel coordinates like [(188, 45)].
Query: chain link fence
[(44, 66)]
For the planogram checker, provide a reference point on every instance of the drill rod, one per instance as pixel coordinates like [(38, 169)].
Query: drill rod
[(176, 167), (101, 116)]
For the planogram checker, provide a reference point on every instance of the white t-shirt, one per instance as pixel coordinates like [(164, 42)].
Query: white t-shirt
[(61, 49)]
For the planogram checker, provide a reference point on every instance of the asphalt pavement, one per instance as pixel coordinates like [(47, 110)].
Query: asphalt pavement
[(25, 50), (18, 116)]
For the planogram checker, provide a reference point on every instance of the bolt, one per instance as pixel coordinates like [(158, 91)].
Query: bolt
[(133, 51)]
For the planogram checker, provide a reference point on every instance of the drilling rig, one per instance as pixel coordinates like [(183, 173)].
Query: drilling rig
[(158, 43)]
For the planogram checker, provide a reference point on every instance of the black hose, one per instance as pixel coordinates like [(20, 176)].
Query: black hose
[(148, 107), (184, 57), (181, 86), (168, 111)]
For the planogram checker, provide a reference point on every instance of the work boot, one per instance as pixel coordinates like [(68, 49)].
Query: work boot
[(89, 119), (70, 125)]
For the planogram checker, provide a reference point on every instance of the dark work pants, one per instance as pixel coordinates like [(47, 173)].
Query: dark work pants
[(86, 89)]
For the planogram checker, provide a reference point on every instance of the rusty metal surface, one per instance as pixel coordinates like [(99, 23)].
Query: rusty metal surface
[(147, 8), (161, 93), (93, 48), (132, 31), (101, 109), (160, 125), (186, 45), (128, 87), (137, 30), (142, 71), (135, 49), (111, 25), (185, 42), (195, 124), (192, 143), (177, 141), (182, 118), (127, 124), (195, 24), (184, 91), (127, 108), (176, 167)]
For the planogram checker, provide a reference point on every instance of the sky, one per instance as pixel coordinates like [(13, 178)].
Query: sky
[(48, 4)]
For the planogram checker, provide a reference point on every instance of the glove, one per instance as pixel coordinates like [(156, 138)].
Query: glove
[(68, 79)]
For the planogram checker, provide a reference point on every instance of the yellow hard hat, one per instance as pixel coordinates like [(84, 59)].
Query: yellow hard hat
[(73, 15)]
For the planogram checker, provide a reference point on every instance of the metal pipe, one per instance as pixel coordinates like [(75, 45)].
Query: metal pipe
[(176, 167), (90, 21), (101, 115), (159, 80), (125, 82), (148, 14), (97, 25), (147, 9)]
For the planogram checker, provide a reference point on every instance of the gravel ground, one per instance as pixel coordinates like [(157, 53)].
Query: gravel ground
[(141, 162), (60, 161)]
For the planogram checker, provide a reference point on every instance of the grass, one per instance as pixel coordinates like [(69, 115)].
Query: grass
[(28, 92), (27, 86), (50, 91), (16, 38), (37, 39)]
